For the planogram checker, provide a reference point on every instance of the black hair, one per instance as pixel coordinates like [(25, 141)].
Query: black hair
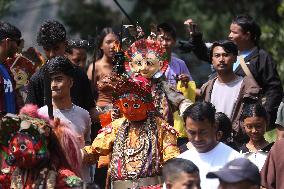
[(248, 25), (8, 30), (223, 124), (60, 64), (100, 40), (50, 33), (169, 28), (174, 167), (77, 44), (227, 45), (200, 111), (253, 110)]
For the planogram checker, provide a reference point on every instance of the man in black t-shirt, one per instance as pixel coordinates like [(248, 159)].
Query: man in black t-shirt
[(52, 37)]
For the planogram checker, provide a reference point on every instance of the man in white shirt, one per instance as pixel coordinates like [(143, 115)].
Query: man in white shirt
[(78, 119), (228, 91), (207, 153)]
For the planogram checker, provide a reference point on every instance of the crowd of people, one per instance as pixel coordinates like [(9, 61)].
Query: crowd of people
[(134, 118)]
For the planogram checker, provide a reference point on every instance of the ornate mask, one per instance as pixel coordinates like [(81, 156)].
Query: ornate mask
[(147, 58), (133, 99), (26, 152), (133, 108), (26, 140)]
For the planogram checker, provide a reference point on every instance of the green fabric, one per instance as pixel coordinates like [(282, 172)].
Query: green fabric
[(270, 136), (73, 181)]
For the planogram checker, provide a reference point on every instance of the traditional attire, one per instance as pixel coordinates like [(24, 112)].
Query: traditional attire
[(147, 55), (137, 144), (35, 153)]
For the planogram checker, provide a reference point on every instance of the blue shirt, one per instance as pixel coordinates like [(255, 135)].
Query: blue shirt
[(242, 54), (176, 67)]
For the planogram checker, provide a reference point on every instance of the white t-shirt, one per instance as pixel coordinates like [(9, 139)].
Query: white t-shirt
[(210, 161), (225, 95), (78, 119)]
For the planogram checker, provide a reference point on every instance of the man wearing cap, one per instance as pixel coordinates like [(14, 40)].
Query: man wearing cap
[(237, 174), (10, 39)]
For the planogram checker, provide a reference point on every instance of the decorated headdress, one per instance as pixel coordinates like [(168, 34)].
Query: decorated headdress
[(133, 98), (138, 87), (28, 132), (51, 140), (144, 46)]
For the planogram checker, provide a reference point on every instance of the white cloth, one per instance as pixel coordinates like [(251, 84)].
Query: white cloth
[(258, 158), (78, 119), (210, 161), (225, 95)]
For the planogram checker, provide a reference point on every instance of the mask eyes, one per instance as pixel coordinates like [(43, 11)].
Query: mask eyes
[(23, 147), (126, 105), (13, 148), (149, 63), (136, 106)]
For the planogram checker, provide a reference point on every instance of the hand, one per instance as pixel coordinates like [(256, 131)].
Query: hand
[(183, 77), (184, 80), (192, 28), (94, 114)]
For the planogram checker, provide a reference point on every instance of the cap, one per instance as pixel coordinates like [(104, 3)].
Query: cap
[(237, 170)]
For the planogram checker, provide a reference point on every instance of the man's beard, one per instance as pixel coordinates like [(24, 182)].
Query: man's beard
[(11, 52)]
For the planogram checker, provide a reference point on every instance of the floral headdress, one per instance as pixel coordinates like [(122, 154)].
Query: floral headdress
[(138, 87)]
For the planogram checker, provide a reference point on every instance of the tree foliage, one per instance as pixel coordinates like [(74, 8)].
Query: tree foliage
[(4, 6), (213, 17), (83, 17)]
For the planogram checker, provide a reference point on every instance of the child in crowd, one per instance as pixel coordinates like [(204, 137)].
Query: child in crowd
[(255, 121), (224, 130), (180, 173)]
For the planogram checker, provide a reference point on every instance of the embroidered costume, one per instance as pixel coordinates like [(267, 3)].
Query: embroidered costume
[(139, 142), (146, 58), (38, 154)]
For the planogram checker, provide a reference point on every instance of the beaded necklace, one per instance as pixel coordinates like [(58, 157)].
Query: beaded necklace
[(130, 162)]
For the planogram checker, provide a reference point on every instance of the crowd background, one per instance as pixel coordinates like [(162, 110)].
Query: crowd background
[(84, 20), (81, 19)]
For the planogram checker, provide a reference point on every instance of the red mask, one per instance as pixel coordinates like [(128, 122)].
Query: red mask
[(133, 108), (25, 152)]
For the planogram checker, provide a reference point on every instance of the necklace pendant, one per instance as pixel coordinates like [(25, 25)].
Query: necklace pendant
[(130, 152)]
